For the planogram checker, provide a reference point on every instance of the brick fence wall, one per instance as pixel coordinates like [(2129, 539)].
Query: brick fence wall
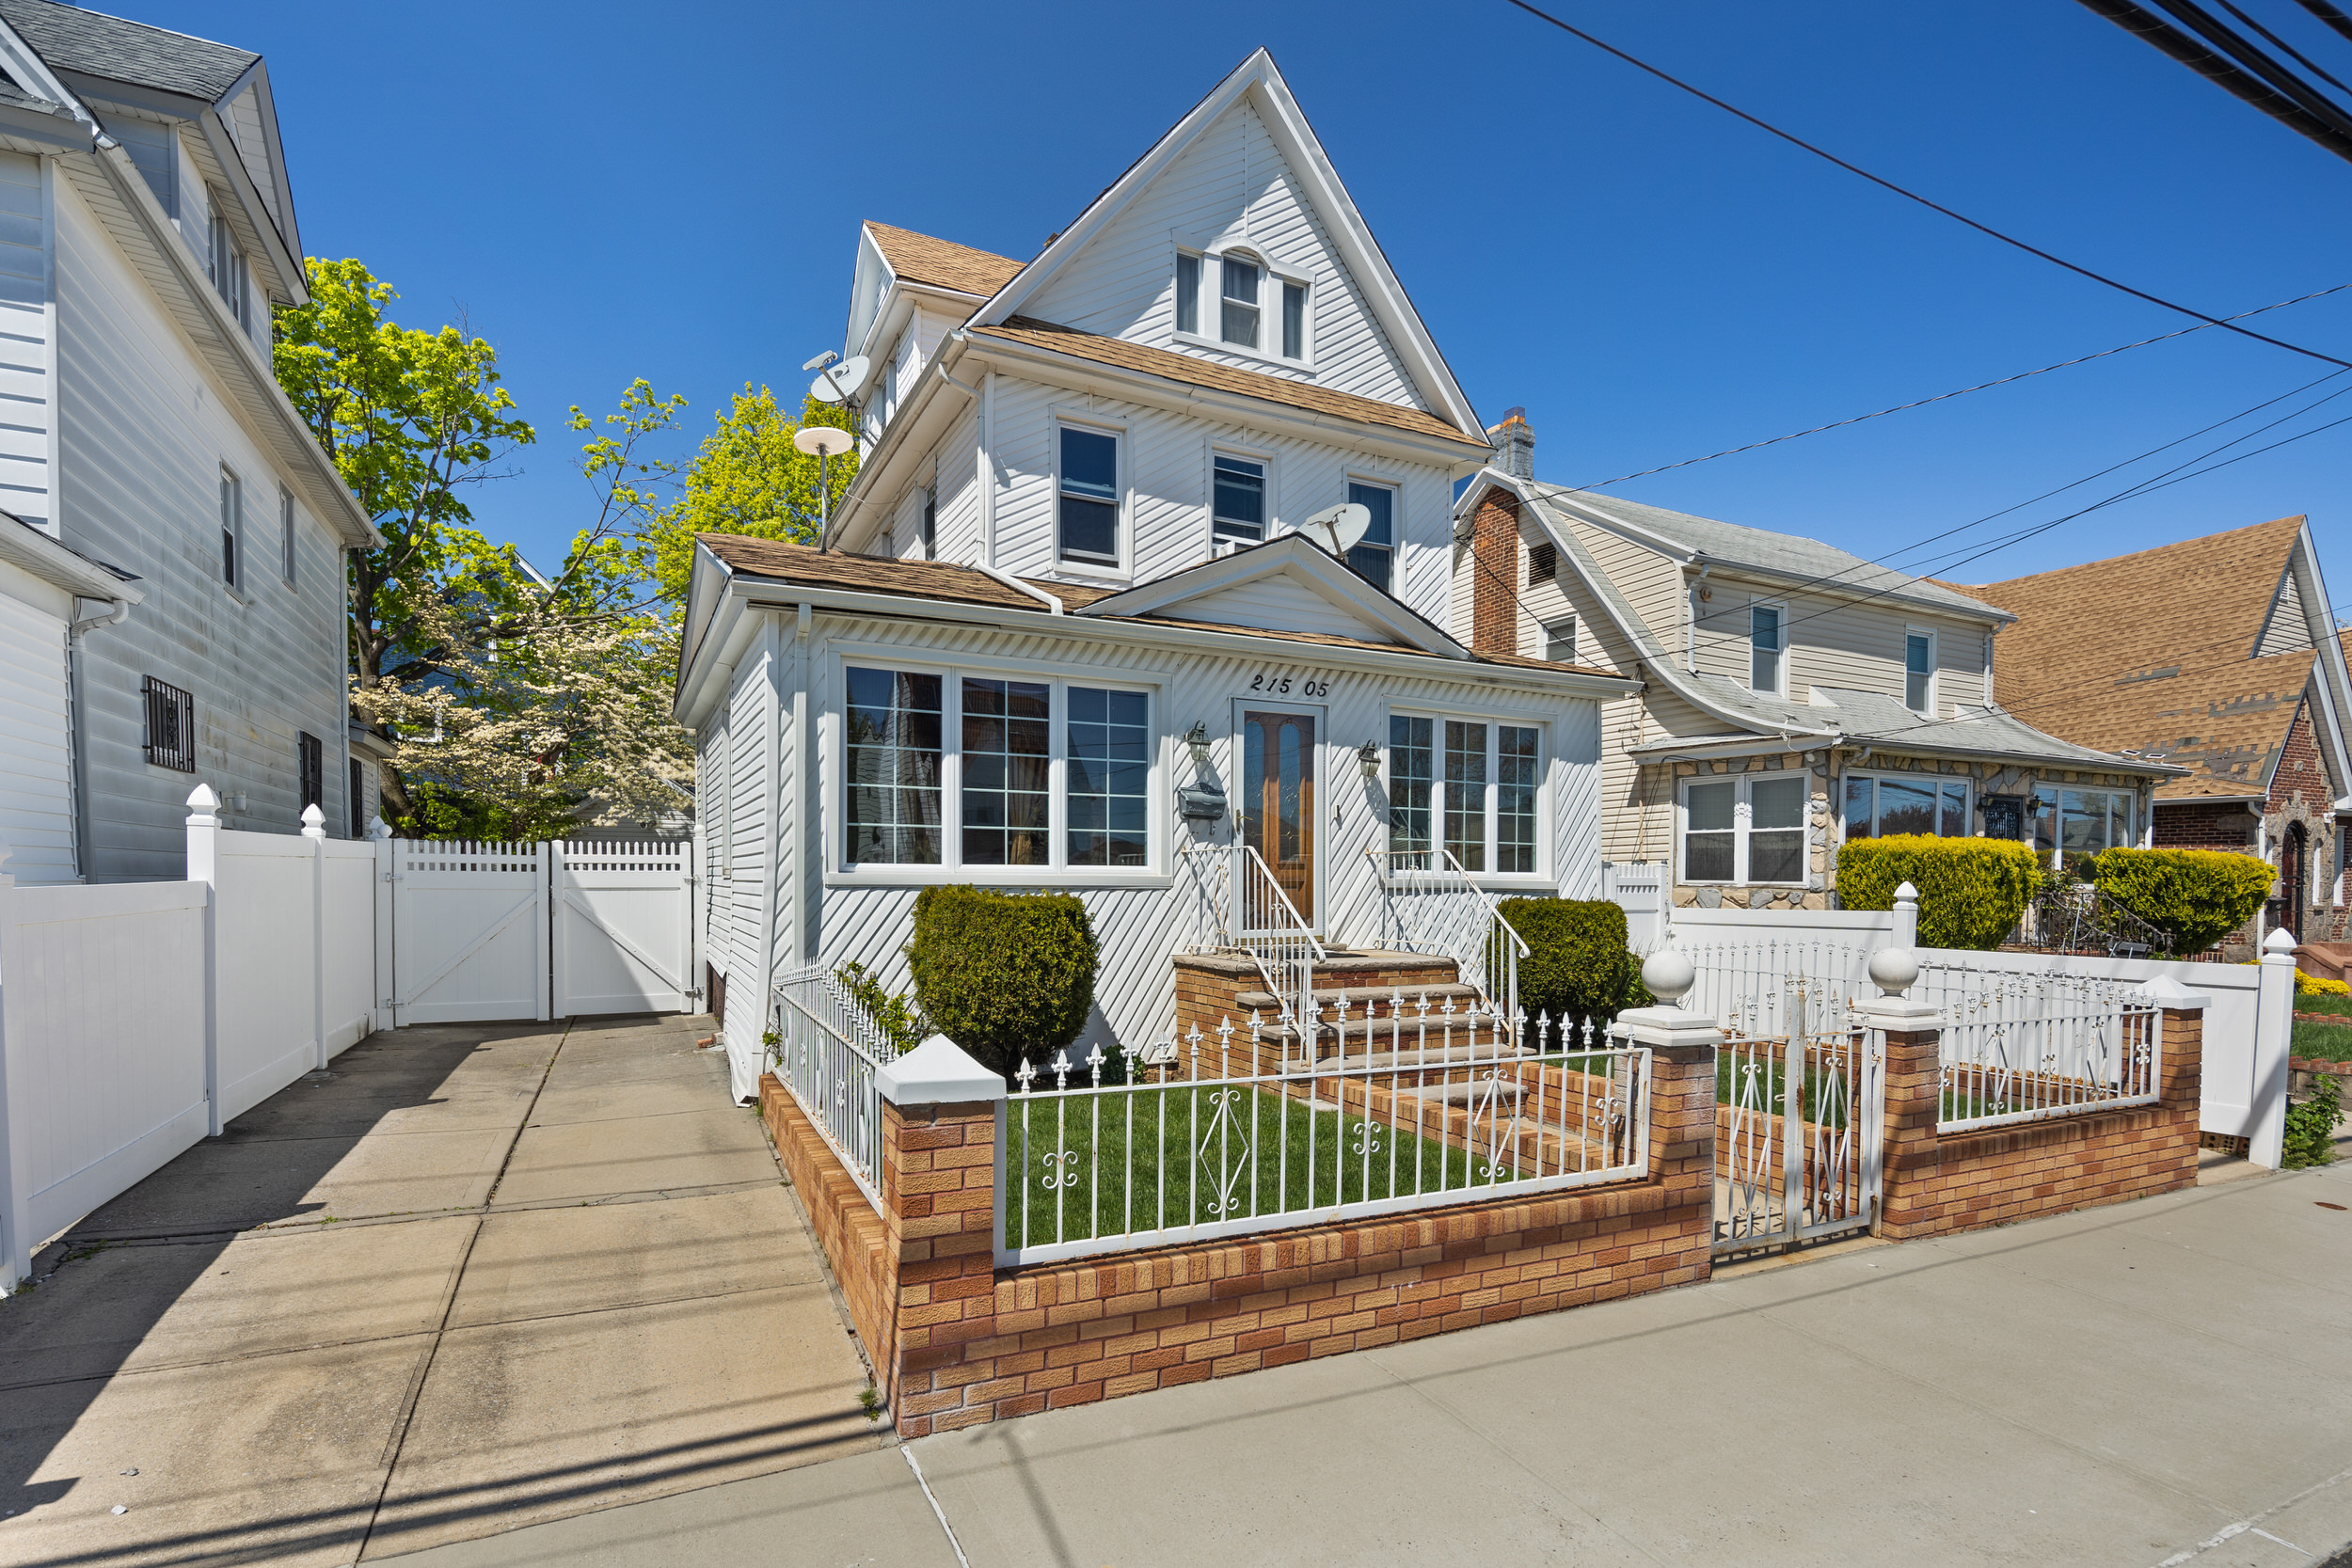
[(1939, 1182), (969, 1342)]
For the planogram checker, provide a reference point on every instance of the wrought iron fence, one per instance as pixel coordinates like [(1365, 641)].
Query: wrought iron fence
[(825, 1051), (2079, 917), (1375, 1108), (2029, 1046), (1799, 1137)]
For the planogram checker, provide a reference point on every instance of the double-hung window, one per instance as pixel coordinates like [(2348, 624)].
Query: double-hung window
[(1747, 829), (1086, 513), (1468, 785), (1238, 486), (1767, 648), (1372, 557), (1919, 672), (1187, 293), (228, 267), (972, 769), (231, 525), (1238, 302), (1559, 639), (1883, 805)]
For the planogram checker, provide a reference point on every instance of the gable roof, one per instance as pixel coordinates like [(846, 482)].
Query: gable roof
[(1119, 352), (2104, 653), (1789, 555), (939, 583), (70, 38), (940, 263), (1351, 236), (1295, 559)]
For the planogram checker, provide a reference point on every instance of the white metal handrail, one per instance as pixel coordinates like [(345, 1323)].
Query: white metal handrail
[(2029, 1046), (1231, 1133), (1240, 905), (818, 1058), (1434, 907)]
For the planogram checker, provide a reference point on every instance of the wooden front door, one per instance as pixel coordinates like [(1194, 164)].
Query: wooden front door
[(1278, 803)]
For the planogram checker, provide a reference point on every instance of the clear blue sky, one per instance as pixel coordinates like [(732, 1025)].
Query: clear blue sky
[(609, 192)]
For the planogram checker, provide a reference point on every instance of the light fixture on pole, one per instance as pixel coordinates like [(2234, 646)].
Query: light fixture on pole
[(825, 443)]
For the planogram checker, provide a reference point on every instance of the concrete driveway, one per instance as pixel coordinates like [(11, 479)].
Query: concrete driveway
[(471, 1277)]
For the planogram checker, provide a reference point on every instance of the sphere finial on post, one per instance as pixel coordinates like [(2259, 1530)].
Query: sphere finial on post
[(1668, 975)]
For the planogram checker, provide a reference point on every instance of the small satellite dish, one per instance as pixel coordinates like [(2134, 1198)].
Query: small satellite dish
[(1339, 528), (823, 440), (839, 383)]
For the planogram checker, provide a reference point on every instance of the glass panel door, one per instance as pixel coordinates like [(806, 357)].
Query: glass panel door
[(1277, 801)]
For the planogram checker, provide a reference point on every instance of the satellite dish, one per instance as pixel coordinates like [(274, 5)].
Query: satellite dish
[(839, 383), (823, 440), (1339, 528)]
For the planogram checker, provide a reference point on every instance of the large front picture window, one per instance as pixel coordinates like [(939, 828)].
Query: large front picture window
[(980, 770), (1749, 829), (1472, 786), (1880, 806)]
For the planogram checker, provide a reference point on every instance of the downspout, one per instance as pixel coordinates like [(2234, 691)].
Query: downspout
[(77, 694), (771, 800), (1691, 628)]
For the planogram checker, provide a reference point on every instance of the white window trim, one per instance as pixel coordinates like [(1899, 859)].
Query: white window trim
[(1246, 454), (1967, 804), (951, 868), (1575, 632), (1272, 275), (2142, 820), (1395, 546), (1747, 641), (1935, 696), (1743, 818), (1122, 487), (1542, 875), (237, 583)]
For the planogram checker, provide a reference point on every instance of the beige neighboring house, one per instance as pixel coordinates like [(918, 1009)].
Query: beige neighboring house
[(1794, 696)]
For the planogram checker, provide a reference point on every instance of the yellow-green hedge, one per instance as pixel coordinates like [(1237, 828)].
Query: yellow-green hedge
[(1971, 890), (2197, 896)]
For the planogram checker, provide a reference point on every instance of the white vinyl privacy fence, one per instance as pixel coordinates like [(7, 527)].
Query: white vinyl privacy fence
[(138, 1018)]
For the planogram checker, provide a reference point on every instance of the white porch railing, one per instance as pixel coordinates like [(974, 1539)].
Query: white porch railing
[(1228, 1135), (1430, 905), (819, 1056), (2027, 1046), (1237, 904)]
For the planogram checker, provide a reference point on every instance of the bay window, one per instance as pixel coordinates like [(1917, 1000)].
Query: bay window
[(1745, 829), (1878, 805), (1472, 786), (973, 769)]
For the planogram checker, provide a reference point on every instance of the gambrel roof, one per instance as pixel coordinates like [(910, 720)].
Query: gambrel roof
[(2199, 653)]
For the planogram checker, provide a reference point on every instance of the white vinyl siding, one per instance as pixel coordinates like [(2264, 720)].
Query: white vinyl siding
[(36, 761), (28, 397)]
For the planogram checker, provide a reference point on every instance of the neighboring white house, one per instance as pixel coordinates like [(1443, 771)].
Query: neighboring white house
[(1067, 591), (190, 621)]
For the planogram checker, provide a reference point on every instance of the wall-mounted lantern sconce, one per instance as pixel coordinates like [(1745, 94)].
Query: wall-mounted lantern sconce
[(1368, 758), (1196, 740)]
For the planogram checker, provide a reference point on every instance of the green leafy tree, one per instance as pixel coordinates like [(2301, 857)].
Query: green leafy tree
[(749, 478)]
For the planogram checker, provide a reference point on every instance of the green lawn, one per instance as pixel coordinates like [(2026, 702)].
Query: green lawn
[(1303, 1159), (1771, 1079), (2340, 1004), (2329, 1042)]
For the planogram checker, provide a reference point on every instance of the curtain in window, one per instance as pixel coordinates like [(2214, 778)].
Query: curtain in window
[(1776, 830), (1706, 842)]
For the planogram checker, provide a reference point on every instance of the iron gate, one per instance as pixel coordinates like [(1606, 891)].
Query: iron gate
[(1800, 1118)]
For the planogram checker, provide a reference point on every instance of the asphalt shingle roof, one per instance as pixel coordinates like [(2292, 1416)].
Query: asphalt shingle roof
[(1733, 545), (70, 38), (942, 264)]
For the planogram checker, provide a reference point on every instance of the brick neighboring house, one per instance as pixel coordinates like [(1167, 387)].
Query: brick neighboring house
[(2219, 654)]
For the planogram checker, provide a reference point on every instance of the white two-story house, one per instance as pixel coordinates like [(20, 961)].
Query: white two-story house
[(1065, 631), (171, 538), (1794, 696)]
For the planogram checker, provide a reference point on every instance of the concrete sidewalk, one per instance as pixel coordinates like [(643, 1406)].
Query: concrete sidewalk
[(471, 1277), (2156, 1383)]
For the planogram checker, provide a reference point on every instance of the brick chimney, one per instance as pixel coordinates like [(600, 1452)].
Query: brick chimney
[(1495, 542), (1515, 444)]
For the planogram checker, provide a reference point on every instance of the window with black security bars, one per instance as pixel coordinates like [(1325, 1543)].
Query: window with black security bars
[(170, 740), (311, 766)]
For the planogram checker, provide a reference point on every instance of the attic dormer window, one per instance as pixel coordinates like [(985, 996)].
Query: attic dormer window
[(228, 268), (1238, 302)]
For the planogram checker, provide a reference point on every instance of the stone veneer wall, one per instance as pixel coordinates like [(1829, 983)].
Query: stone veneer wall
[(1825, 832)]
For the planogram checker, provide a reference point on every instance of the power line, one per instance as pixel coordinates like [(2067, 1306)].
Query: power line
[(1908, 195), (2263, 82), (1945, 397)]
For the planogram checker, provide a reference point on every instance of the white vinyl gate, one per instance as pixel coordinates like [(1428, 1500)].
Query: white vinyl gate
[(473, 932)]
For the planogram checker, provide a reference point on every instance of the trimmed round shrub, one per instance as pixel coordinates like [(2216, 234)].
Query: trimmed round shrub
[(1006, 975), (2195, 897), (1971, 890), (1578, 965)]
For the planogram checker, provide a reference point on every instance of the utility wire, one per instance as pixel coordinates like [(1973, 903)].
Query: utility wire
[(1984, 228), (1945, 397)]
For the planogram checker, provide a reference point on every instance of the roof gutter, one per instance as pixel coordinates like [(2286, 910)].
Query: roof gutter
[(1053, 606)]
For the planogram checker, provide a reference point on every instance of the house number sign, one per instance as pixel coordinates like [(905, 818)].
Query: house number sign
[(1283, 682)]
